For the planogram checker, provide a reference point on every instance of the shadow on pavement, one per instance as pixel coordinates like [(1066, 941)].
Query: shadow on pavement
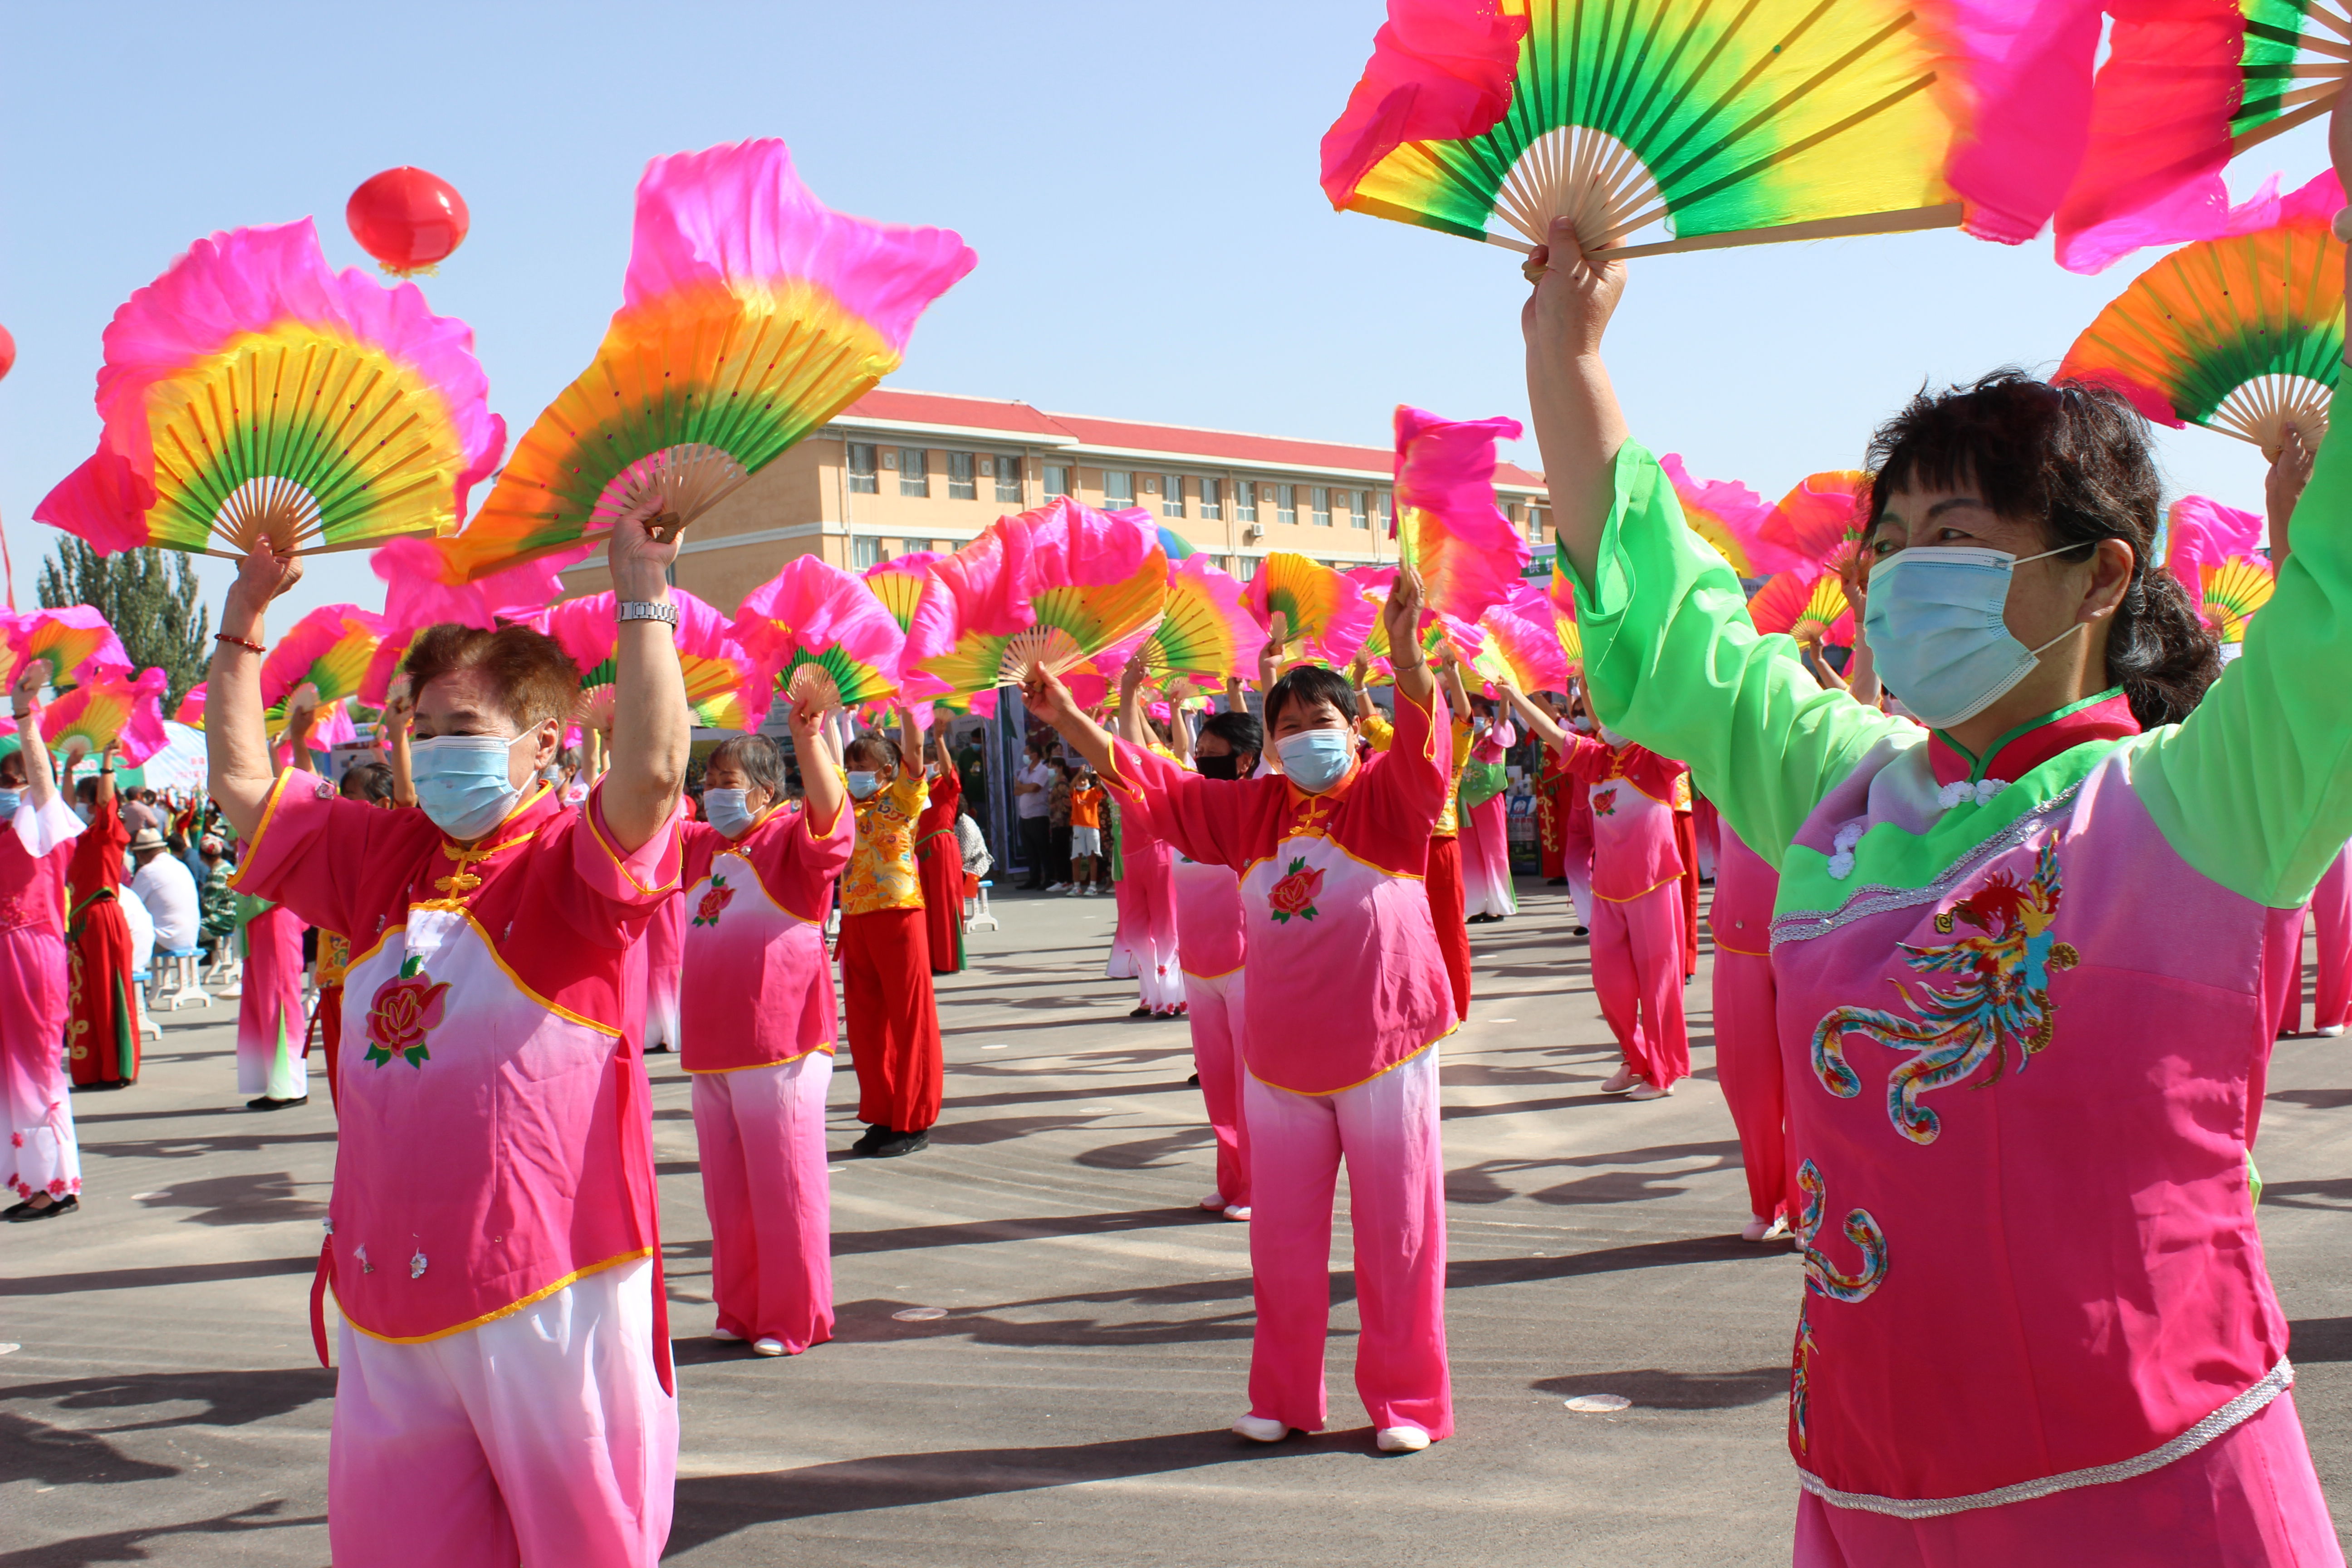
[(145, 1279), (1657, 1388), (2318, 1339), (130, 1545), (230, 1398), (34, 1450)]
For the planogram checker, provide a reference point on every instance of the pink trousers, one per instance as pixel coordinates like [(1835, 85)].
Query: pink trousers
[(540, 1437), (1637, 972), (271, 1027), (1387, 1131), (760, 1131), (1748, 1069), (1215, 1007), (2331, 912), (2248, 1499)]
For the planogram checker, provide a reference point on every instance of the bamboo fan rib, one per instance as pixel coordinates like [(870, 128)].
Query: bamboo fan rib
[(1056, 650), (812, 684), (2278, 32)]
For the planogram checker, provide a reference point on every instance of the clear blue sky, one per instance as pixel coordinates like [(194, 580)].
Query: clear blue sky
[(1140, 183)]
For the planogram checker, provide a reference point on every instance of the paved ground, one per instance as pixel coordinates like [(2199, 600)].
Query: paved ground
[(160, 1402)]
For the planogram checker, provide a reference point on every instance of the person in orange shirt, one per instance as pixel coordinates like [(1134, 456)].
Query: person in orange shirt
[(885, 957), (1087, 866)]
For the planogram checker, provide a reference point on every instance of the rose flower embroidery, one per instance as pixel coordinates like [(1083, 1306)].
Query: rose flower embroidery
[(1296, 893), (719, 896), (406, 1008)]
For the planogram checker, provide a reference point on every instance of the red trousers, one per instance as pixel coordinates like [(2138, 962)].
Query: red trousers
[(1748, 1069), (894, 1020), (1443, 879), (102, 1006), (1637, 972), (1686, 842)]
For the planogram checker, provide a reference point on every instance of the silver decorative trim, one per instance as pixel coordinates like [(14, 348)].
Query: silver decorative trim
[(1878, 899), (2275, 1381)]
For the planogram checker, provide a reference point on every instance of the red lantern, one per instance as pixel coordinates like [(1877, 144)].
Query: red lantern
[(7, 353), (407, 219)]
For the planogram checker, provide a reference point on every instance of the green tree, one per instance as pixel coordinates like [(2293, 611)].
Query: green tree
[(149, 596)]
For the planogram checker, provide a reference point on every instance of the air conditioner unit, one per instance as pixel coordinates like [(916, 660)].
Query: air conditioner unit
[(890, 461), (988, 466), (1150, 486), (1251, 532)]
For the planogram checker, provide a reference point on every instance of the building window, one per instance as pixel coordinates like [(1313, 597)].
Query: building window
[(962, 486), (915, 546), (1388, 511), (914, 471), (1248, 568), (1535, 523), (1322, 499), (1058, 481), (1359, 514), (862, 478), (1285, 504), (1172, 496), (1119, 488), (1212, 498), (865, 552), (1246, 500), (1008, 479)]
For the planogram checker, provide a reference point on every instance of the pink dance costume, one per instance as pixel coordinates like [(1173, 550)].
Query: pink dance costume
[(40, 1154), (759, 1021), (272, 1029), (2019, 993), (1211, 942), (1747, 1027), (1486, 835), (665, 944), (1638, 944), (2331, 916), (1144, 947), (1347, 999), (506, 1389)]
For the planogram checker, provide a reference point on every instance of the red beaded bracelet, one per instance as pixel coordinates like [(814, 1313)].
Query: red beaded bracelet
[(240, 642)]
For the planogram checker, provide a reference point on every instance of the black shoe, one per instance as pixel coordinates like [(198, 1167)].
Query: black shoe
[(66, 1204), (1579, 930), (900, 1144), (13, 1210), (656, 1050), (871, 1139), (1195, 1081), (1140, 1013), (265, 1103), (1554, 881)]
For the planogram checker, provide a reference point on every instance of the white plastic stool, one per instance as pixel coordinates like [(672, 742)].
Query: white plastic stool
[(145, 982), (979, 918), (180, 980)]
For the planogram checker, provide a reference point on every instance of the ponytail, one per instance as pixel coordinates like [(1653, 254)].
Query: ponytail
[(2158, 651)]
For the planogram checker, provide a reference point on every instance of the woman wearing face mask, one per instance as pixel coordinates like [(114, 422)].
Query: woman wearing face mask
[(938, 859), (273, 1063), (39, 1162), (759, 1030), (2017, 958), (1486, 891), (886, 961), (1211, 944), (1146, 947), (102, 1025), (503, 1391), (1448, 905), (1346, 1001)]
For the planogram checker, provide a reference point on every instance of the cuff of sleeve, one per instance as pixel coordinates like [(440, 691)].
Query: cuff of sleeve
[(41, 829), (646, 874)]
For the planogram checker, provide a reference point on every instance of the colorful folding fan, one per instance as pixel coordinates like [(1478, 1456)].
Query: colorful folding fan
[(425, 582), (76, 641), (192, 707), (250, 392), (751, 314), (1522, 644), (1819, 522), (106, 707), (2232, 590), (2242, 336), (1808, 603), (2185, 89), (1054, 587), (2201, 531), (1447, 525), (1774, 120), (821, 635), (329, 651), (1727, 515), (1439, 632), (899, 584), (1204, 632), (723, 684), (1325, 616)]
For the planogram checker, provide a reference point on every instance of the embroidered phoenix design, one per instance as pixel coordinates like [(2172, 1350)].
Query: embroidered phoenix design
[(1824, 1278), (2000, 999)]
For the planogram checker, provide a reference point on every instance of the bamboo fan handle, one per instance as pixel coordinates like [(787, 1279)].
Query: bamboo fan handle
[(812, 685)]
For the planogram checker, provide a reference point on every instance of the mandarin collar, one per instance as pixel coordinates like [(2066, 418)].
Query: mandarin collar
[(2106, 717)]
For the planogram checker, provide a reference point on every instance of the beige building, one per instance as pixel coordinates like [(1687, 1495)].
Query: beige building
[(899, 472)]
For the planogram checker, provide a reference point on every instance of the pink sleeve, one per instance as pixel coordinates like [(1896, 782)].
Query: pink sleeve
[(334, 862), (799, 864), (617, 886), (1651, 773), (698, 845), (1587, 760), (1411, 778), (1217, 822)]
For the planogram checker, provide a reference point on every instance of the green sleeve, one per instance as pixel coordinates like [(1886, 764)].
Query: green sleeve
[(2253, 788), (1674, 662)]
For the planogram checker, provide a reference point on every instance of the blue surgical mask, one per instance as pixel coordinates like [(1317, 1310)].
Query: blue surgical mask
[(1315, 760), (862, 784), (729, 811), (462, 782), (1935, 623), (10, 800)]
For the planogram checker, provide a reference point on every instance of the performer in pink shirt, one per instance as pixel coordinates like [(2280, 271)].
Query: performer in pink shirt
[(1488, 893), (1348, 997), (504, 1389), (1211, 944), (759, 1030), (1145, 946), (39, 1162)]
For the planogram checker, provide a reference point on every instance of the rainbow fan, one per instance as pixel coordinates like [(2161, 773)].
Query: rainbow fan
[(2232, 590), (1808, 604), (1439, 632), (1727, 515), (1819, 522), (425, 582), (1774, 120), (1522, 643), (107, 707), (192, 707), (383, 668), (331, 726), (2200, 531), (2242, 336), (724, 684), (900, 582), (251, 392), (751, 314), (329, 650), (76, 641), (1447, 526), (1325, 616), (1056, 586), (1204, 632), (821, 635)]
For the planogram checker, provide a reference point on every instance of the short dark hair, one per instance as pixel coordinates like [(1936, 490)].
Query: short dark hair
[(761, 760), (11, 768), (86, 788), (878, 749), (1308, 684), (536, 680), (1240, 730), (369, 782)]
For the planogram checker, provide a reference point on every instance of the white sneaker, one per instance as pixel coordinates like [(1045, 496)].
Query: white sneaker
[(1237, 1211), (1759, 1230), (1087, 892), (1402, 1439), (767, 1347), (727, 1336), (2330, 1031), (1618, 1082), (1071, 892), (1059, 887), (1215, 1202), (1264, 1429), (1647, 1091)]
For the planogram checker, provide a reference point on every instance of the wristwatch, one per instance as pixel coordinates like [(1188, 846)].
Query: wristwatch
[(646, 610)]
